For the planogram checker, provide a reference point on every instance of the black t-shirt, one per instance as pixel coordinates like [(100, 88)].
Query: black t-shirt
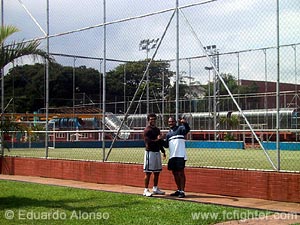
[(150, 137)]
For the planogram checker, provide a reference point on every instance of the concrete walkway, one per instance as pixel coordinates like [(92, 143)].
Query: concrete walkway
[(285, 212)]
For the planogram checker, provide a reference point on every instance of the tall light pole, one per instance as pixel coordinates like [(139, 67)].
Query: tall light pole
[(190, 78), (209, 68), (147, 45), (124, 109), (163, 97), (238, 77), (100, 78), (214, 54), (74, 73)]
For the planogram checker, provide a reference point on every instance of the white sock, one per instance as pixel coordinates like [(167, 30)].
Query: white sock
[(154, 187)]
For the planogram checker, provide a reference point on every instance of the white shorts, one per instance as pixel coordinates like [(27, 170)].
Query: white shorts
[(152, 162)]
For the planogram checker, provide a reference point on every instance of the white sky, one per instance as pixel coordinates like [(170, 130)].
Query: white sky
[(232, 25)]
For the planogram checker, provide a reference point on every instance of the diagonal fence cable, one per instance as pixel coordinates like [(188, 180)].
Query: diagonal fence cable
[(107, 23), (32, 17), (228, 90), (139, 102), (140, 84)]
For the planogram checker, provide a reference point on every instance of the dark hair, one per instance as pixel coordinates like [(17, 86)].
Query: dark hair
[(151, 115), (172, 117)]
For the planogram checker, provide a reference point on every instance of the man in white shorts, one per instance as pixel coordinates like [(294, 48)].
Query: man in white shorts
[(152, 157)]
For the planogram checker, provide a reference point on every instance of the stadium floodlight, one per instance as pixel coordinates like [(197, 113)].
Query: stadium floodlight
[(147, 45)]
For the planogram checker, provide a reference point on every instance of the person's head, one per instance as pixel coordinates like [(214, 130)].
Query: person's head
[(151, 118), (172, 121)]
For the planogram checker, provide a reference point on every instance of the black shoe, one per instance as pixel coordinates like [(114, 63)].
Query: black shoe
[(176, 193), (181, 194)]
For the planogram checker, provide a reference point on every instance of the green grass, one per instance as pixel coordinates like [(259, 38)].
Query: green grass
[(44, 204), (244, 159)]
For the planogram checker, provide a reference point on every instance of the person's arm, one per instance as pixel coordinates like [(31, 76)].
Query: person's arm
[(163, 151), (165, 143), (185, 126)]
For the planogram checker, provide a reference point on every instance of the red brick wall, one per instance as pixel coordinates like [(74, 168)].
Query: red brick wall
[(239, 183)]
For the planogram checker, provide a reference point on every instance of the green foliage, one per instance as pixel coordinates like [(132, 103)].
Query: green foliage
[(8, 124), (14, 50), (8, 53), (230, 122), (27, 84), (28, 87), (235, 89), (229, 137), (131, 74), (231, 83)]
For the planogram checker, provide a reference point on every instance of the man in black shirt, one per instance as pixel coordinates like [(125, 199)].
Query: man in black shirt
[(152, 157)]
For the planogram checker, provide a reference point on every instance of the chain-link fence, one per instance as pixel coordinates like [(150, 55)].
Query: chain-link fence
[(239, 60)]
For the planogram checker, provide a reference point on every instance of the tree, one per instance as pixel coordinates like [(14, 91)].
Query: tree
[(248, 92), (8, 53), (230, 122), (26, 85), (133, 72), (14, 50), (236, 89)]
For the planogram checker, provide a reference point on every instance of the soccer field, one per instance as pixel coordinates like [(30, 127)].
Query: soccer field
[(243, 159)]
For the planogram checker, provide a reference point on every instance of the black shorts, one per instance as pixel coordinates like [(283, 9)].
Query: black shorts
[(176, 163)]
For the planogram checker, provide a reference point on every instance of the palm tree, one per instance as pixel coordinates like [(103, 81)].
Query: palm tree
[(230, 122), (8, 53)]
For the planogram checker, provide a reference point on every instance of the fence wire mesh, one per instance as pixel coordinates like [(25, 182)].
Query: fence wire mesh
[(250, 45)]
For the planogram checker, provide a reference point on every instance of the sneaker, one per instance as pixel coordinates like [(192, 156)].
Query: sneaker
[(181, 194), (157, 191), (176, 193), (147, 193)]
